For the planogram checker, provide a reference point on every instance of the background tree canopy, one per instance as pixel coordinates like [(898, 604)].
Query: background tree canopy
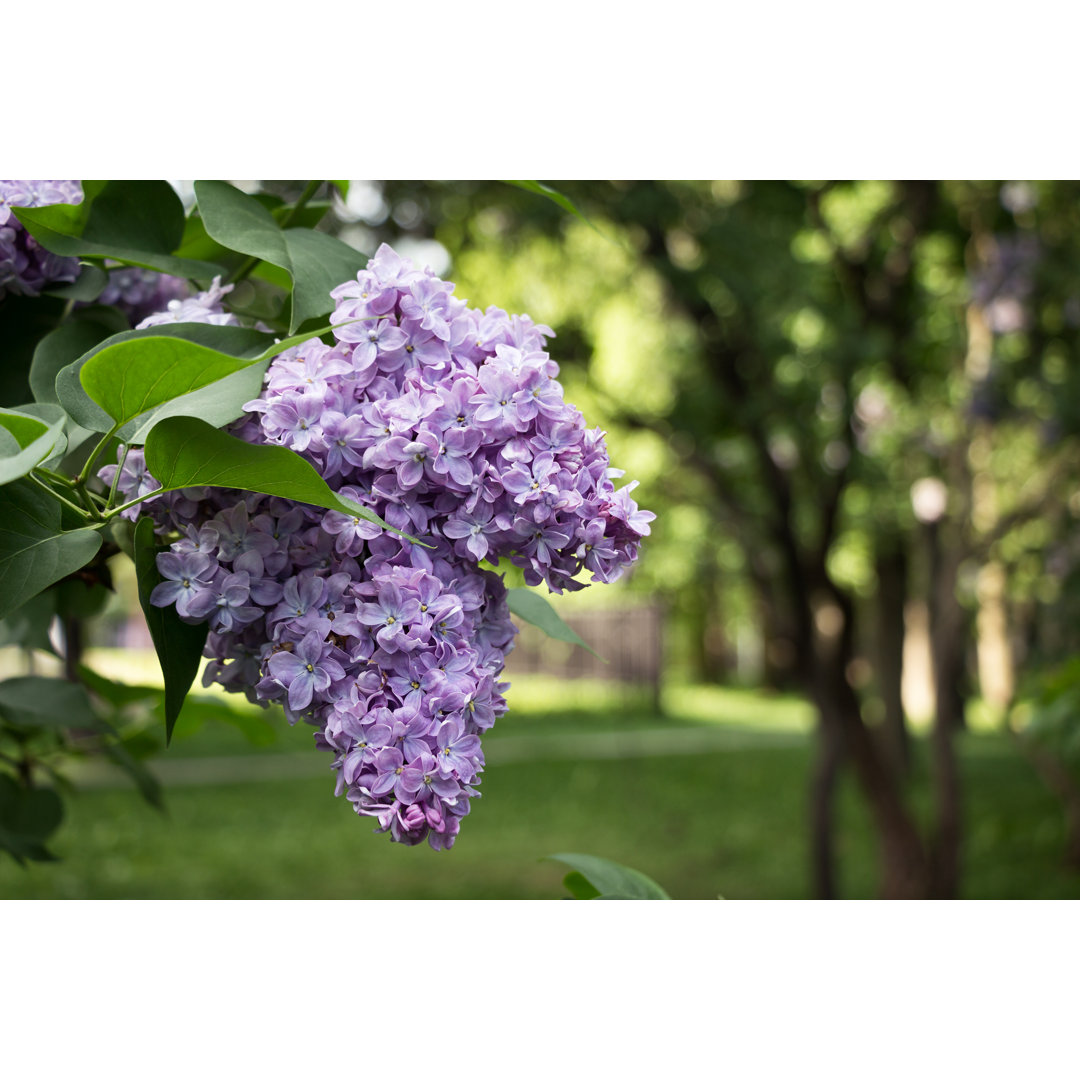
[(854, 407)]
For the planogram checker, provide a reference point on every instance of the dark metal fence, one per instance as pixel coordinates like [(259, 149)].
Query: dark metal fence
[(630, 641)]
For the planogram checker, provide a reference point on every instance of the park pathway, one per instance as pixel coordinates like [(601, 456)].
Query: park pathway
[(566, 746)]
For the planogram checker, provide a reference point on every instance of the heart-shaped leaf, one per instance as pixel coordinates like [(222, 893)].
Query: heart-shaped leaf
[(183, 451), (138, 222), (557, 197), (315, 262), (320, 263), (28, 817), (64, 346), (37, 701), (178, 644), (36, 439), (28, 627), (529, 605), (87, 287), (132, 377), (611, 880), (146, 783), (235, 341), (34, 553), (240, 222)]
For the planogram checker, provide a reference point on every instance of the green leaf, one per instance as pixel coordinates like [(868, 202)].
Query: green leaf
[(550, 193), (50, 414), (274, 277), (37, 701), (611, 880), (306, 217), (146, 783), (320, 262), (28, 627), (89, 285), (198, 245), (77, 598), (183, 451), (529, 605), (28, 817), (24, 320), (25, 429), (137, 222), (258, 301), (240, 222), (235, 341), (218, 404), (118, 695), (203, 709), (34, 553), (178, 644), (132, 377), (314, 261), (36, 439), (143, 214), (577, 885), (197, 710), (63, 346)]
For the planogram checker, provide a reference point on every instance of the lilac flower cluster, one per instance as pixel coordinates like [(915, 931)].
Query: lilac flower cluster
[(452, 420), (449, 423), (25, 266)]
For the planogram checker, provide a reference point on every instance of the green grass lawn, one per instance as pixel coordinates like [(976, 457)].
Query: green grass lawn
[(727, 821)]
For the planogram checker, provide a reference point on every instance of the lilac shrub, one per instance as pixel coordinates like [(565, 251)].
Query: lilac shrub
[(26, 268), (450, 424)]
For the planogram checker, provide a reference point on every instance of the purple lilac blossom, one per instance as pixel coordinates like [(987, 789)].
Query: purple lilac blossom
[(26, 268), (205, 307), (449, 423), (140, 293)]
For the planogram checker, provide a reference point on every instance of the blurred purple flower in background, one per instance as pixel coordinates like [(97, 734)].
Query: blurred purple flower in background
[(26, 268)]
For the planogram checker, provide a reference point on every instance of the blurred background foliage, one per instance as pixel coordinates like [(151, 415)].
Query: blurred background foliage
[(855, 409)]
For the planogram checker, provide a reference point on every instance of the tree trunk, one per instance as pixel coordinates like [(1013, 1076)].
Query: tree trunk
[(706, 634), (945, 854), (73, 648), (822, 808), (905, 871), (1062, 783), (892, 575), (948, 630), (949, 635)]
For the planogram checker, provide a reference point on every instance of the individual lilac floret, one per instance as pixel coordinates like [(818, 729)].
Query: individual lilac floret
[(188, 577), (450, 424), (26, 268), (309, 668)]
